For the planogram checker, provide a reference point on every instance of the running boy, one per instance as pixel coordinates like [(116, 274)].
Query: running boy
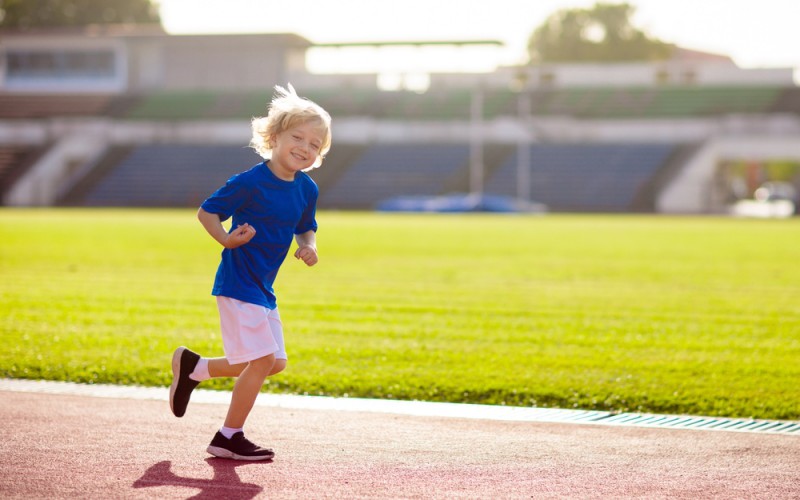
[(269, 205)]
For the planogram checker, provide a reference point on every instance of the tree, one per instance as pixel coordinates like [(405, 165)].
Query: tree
[(602, 33), (23, 14)]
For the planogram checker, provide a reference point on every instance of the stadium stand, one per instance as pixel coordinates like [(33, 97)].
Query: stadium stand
[(653, 102), (115, 132), (360, 176), (565, 177), (75, 194), (14, 160), (357, 102), (178, 175), (33, 106), (176, 106), (336, 164), (787, 102), (647, 193), (448, 105), (584, 177), (625, 102), (348, 101), (453, 105), (200, 105), (389, 170), (169, 175)]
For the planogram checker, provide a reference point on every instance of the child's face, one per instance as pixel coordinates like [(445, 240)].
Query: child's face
[(296, 149)]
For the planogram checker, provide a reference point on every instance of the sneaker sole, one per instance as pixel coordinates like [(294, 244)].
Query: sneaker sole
[(223, 453), (176, 375)]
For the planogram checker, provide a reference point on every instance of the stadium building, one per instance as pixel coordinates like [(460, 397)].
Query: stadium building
[(121, 116)]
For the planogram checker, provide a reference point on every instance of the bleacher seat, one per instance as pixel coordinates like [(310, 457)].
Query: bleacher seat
[(573, 177), (653, 102), (173, 106), (438, 104), (389, 170), (14, 160), (788, 101), (34, 106), (584, 177), (170, 175)]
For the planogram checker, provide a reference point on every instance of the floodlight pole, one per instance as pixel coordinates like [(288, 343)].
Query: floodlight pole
[(476, 143)]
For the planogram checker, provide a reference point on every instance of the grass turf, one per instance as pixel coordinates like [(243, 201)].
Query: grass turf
[(622, 313)]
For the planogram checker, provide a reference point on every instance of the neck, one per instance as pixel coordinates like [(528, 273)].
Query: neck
[(280, 173)]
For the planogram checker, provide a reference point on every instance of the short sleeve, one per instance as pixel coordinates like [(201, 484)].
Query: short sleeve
[(308, 221), (227, 199)]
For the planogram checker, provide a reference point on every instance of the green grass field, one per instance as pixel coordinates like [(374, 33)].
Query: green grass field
[(622, 313)]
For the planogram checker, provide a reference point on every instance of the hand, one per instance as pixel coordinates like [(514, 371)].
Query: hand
[(307, 254), (239, 236)]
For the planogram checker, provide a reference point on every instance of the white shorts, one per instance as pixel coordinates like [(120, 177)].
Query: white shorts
[(249, 331)]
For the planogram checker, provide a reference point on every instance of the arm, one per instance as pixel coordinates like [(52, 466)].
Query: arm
[(212, 224), (307, 247)]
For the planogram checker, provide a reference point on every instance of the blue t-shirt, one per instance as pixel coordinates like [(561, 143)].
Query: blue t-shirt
[(278, 210)]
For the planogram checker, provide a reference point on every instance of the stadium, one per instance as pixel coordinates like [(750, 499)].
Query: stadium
[(126, 116), (609, 320)]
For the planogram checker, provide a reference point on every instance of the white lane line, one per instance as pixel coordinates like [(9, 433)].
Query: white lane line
[(415, 408)]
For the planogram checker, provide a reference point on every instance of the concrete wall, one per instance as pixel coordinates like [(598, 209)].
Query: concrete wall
[(222, 63)]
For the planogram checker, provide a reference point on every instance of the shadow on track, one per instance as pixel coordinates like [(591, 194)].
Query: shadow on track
[(225, 483)]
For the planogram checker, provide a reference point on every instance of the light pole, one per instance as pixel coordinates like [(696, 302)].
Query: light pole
[(524, 143), (476, 143)]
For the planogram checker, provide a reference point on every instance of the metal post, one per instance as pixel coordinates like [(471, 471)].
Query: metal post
[(524, 147), (476, 143)]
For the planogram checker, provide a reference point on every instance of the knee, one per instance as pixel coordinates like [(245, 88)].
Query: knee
[(263, 365), (279, 366)]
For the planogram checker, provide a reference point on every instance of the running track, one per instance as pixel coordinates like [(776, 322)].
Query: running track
[(73, 446)]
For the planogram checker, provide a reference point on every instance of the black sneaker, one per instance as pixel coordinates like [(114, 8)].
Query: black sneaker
[(237, 447), (183, 363)]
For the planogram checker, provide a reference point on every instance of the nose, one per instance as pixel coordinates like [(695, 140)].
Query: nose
[(302, 144), (309, 148)]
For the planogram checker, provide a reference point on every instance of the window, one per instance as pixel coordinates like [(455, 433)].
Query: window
[(39, 65)]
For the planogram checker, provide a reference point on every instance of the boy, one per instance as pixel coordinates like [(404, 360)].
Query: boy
[(269, 204)]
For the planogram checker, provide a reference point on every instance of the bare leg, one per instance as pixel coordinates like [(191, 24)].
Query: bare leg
[(279, 366), (246, 390), (219, 367)]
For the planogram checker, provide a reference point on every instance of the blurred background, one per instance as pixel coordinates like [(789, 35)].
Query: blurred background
[(563, 106)]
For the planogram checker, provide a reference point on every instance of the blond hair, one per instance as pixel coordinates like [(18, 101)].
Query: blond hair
[(288, 110)]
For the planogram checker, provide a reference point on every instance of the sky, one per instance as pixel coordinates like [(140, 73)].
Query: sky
[(755, 33)]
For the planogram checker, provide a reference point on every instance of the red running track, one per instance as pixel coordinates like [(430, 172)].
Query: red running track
[(62, 446)]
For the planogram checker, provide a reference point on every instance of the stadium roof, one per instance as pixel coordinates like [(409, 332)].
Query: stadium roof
[(143, 31), (400, 43)]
